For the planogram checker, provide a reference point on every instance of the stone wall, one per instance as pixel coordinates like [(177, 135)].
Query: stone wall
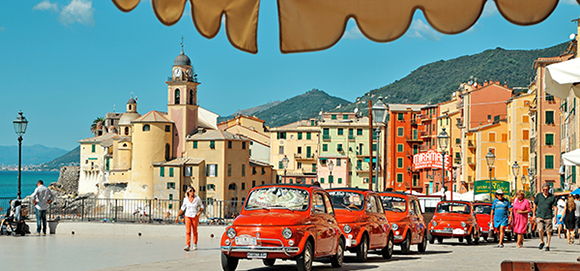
[(68, 182)]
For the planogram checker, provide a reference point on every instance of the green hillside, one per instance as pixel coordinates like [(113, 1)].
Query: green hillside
[(435, 82), (300, 107), (71, 158)]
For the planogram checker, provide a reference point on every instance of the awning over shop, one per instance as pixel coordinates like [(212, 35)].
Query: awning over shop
[(563, 76), (571, 158), (311, 25)]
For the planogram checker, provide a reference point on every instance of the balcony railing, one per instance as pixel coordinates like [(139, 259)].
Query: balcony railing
[(325, 137), (471, 144), (471, 161)]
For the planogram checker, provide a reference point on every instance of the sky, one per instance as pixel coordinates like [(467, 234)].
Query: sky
[(64, 63)]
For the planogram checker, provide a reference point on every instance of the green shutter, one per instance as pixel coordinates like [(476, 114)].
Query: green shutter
[(195, 144), (308, 151), (299, 135), (345, 117), (339, 180), (399, 162), (549, 162), (340, 131), (333, 117), (359, 132), (550, 139), (162, 171), (170, 172), (93, 148), (308, 135), (280, 165), (330, 179), (212, 144), (324, 147), (321, 180)]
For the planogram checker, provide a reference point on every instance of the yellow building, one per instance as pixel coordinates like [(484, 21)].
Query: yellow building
[(481, 140), (298, 142), (519, 138), (157, 155), (255, 130)]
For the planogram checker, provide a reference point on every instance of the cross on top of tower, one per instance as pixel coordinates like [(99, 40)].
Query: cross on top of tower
[(182, 45)]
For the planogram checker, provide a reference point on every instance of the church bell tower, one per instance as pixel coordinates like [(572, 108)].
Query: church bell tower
[(182, 101)]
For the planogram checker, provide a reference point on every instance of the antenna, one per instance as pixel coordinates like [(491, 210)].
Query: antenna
[(113, 108)]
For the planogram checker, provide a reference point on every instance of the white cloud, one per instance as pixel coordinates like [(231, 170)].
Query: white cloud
[(46, 5), (490, 9), (353, 33), (419, 29), (78, 11)]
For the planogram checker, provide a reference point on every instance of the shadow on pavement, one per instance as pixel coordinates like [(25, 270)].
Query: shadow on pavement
[(287, 266), (427, 252)]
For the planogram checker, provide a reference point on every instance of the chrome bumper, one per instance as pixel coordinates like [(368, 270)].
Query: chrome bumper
[(284, 249)]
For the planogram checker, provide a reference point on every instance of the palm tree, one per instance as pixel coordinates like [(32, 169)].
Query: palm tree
[(97, 126)]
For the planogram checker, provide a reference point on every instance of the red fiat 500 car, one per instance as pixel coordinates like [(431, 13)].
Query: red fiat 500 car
[(290, 222), (361, 217), (482, 214), (407, 223), (454, 219)]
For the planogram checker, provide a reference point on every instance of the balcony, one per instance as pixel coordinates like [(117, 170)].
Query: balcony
[(424, 134), (325, 137), (413, 122), (413, 139), (457, 161), (471, 161), (351, 137), (471, 144), (304, 157)]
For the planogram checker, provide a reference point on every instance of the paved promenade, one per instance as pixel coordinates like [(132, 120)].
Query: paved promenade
[(97, 246)]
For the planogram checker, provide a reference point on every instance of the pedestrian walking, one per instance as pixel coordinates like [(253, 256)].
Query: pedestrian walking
[(501, 214), (192, 207), (521, 207), (544, 205), (569, 219), (41, 197), (561, 208), (577, 214)]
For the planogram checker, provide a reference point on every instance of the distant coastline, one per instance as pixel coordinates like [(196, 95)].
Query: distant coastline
[(28, 169)]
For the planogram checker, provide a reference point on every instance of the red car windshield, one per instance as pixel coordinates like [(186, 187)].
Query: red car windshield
[(453, 207), (394, 204), (278, 198), (347, 200), (482, 209)]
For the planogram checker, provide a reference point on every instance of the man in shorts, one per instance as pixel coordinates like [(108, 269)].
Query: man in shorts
[(544, 205)]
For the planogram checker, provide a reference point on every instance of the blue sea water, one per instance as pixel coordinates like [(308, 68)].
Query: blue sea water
[(9, 182)]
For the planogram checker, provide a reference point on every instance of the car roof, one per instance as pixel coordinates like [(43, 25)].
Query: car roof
[(304, 186), (461, 201), (348, 188), (398, 193)]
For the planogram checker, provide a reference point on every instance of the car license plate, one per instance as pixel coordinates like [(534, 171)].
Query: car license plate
[(246, 240), (257, 255), (448, 229), (458, 231)]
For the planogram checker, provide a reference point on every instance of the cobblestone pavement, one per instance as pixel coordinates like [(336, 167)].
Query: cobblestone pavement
[(86, 252)]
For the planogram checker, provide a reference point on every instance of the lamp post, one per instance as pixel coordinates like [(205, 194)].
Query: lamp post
[(490, 158), (379, 111), (443, 140), (330, 167), (20, 124), (285, 162), (515, 171)]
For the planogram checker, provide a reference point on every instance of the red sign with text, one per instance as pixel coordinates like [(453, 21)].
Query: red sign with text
[(430, 159)]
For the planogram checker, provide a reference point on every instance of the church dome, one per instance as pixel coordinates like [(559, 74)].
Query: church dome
[(182, 60), (128, 117)]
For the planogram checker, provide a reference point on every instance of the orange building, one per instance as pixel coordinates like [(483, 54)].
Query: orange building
[(403, 141)]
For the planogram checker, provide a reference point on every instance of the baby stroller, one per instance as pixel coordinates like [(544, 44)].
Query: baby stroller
[(13, 224)]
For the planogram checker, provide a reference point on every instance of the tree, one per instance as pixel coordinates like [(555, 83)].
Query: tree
[(97, 126)]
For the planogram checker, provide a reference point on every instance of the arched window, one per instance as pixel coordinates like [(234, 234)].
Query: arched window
[(177, 97), (191, 96), (130, 107), (167, 152), (126, 130), (146, 128)]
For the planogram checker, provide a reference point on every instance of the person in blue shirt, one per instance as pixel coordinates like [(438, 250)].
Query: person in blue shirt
[(501, 215)]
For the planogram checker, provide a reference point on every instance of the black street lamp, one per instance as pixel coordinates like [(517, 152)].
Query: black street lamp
[(443, 140), (379, 111), (330, 167), (20, 124), (515, 171), (490, 158), (285, 162)]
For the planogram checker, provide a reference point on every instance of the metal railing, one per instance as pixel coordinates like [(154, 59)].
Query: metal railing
[(129, 210)]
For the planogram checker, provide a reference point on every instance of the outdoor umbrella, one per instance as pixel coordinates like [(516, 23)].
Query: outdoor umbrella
[(576, 192), (311, 25), (571, 158), (563, 76)]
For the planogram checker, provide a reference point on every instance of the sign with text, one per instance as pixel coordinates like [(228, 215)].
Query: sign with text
[(482, 186), (430, 159)]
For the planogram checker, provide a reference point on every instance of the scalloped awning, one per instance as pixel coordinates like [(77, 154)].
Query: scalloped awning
[(311, 25)]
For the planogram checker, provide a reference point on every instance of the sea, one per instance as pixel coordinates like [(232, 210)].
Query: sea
[(9, 182)]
